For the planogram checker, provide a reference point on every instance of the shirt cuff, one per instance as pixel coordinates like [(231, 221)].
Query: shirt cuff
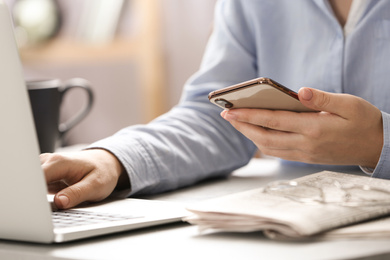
[(382, 169), (129, 153)]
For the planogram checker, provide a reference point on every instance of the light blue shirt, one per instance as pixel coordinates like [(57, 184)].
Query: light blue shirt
[(297, 43)]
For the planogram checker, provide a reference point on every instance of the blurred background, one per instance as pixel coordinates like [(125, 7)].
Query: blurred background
[(137, 54)]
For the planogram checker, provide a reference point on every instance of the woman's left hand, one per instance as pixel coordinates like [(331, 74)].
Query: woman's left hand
[(347, 131)]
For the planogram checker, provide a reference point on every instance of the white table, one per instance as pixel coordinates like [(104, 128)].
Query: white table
[(182, 241)]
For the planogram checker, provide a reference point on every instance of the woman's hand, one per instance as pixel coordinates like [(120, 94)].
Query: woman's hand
[(89, 175), (347, 131)]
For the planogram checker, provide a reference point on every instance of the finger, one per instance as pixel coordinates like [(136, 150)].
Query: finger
[(77, 193), (268, 138), (286, 121), (55, 187), (338, 104), (54, 166), (59, 167), (290, 155)]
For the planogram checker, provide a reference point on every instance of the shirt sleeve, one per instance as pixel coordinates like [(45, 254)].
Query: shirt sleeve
[(192, 142), (383, 166)]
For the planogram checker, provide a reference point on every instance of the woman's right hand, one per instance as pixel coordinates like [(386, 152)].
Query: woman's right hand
[(89, 175)]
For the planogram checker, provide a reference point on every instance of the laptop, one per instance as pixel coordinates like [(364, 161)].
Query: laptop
[(26, 214)]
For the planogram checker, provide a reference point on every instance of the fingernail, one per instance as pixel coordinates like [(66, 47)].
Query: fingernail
[(307, 94), (229, 115), (64, 200), (223, 113)]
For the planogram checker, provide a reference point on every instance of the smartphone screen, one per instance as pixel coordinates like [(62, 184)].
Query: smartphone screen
[(262, 93)]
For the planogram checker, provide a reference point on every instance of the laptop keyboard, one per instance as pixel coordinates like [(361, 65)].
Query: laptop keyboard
[(69, 218)]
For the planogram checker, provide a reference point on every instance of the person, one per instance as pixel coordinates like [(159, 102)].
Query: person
[(334, 52)]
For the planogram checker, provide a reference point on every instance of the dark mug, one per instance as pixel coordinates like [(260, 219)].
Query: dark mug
[(46, 97)]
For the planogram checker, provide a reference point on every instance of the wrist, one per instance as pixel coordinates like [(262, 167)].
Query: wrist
[(115, 166), (122, 176)]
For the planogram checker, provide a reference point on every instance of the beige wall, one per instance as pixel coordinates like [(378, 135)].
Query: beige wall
[(185, 28)]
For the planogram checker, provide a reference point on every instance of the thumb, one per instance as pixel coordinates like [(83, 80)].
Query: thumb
[(73, 195), (321, 101)]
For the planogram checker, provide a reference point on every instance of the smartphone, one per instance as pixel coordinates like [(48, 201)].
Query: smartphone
[(262, 93)]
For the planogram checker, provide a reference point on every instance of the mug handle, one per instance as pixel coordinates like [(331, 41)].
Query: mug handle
[(72, 84)]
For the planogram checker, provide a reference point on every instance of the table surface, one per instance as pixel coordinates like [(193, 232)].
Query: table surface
[(183, 241)]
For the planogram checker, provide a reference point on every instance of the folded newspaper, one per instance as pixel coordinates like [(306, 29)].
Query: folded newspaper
[(326, 204)]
